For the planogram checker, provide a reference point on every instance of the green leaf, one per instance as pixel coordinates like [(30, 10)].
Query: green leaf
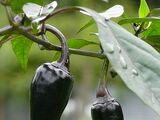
[(18, 4), (137, 62), (88, 24), (154, 41), (79, 43), (155, 12), (153, 30), (143, 9), (75, 43), (138, 20), (56, 56), (21, 47)]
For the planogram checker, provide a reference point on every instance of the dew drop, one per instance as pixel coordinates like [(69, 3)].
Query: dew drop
[(153, 99), (123, 62), (134, 72), (119, 49), (109, 48)]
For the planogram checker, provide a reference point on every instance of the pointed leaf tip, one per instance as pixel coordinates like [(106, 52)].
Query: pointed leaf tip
[(115, 11), (143, 9)]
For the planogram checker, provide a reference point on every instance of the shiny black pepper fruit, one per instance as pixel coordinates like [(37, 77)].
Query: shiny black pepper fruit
[(106, 107), (50, 91), (51, 86)]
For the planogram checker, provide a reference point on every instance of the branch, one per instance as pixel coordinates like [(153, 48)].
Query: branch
[(50, 46), (10, 14), (6, 30)]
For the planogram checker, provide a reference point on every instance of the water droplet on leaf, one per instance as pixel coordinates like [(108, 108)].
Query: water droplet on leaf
[(123, 62), (109, 48), (119, 49), (134, 72), (153, 99)]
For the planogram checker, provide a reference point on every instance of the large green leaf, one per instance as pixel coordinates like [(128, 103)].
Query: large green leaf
[(21, 47), (137, 63), (143, 9), (17, 4)]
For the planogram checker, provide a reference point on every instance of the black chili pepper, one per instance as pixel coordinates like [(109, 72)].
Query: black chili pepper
[(51, 86), (105, 106)]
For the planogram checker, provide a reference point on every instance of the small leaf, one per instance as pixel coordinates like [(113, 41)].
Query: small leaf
[(143, 9), (56, 56), (36, 12), (138, 20), (115, 11), (47, 9), (31, 10), (79, 43), (75, 43), (88, 24), (21, 47)]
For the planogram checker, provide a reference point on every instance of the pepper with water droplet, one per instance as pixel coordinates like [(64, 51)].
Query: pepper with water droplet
[(51, 86), (105, 106)]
